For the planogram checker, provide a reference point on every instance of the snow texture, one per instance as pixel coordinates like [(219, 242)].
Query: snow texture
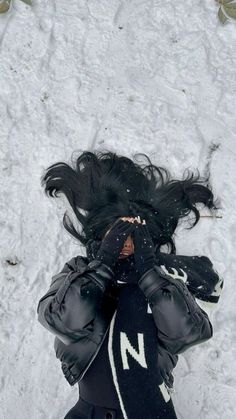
[(131, 76)]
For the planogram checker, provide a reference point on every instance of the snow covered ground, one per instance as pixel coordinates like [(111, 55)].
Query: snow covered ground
[(130, 76)]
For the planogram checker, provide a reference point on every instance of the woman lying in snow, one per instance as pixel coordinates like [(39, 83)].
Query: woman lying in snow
[(122, 314)]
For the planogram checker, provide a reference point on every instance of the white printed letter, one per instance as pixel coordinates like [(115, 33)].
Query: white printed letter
[(126, 346)]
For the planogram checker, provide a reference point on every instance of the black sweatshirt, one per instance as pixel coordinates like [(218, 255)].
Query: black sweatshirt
[(97, 385)]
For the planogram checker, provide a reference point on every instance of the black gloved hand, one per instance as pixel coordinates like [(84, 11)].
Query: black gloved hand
[(144, 249), (113, 242), (92, 247)]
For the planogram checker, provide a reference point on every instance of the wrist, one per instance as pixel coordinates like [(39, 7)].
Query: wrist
[(152, 280), (99, 265), (144, 263), (101, 273), (143, 269), (105, 259)]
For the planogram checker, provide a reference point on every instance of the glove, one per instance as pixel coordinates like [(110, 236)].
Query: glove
[(144, 249), (92, 247), (113, 242)]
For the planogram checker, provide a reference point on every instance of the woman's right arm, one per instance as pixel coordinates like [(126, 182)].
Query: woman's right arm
[(74, 299)]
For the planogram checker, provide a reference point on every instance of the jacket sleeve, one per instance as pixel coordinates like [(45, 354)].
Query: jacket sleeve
[(74, 298), (180, 322)]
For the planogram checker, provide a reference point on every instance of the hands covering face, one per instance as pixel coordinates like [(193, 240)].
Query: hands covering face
[(144, 249), (128, 248), (140, 243)]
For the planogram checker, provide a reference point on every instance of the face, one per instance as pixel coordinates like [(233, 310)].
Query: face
[(128, 248)]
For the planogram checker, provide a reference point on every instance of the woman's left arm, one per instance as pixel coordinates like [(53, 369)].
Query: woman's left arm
[(181, 323)]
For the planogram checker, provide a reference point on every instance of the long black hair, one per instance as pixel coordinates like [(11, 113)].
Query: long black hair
[(102, 186)]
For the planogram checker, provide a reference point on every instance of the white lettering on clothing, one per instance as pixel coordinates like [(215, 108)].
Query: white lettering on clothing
[(126, 346)]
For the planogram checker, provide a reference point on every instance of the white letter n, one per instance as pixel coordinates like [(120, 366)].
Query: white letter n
[(126, 346)]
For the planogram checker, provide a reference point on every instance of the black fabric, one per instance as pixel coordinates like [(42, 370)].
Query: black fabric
[(92, 247), (139, 384), (144, 249), (85, 410), (97, 386), (202, 278), (126, 271), (113, 242)]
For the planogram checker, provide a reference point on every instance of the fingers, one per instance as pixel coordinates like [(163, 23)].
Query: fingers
[(130, 219), (120, 223), (121, 229), (127, 225), (123, 225), (140, 225), (134, 219), (141, 231), (143, 227)]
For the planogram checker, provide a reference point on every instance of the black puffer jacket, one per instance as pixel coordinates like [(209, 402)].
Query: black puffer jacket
[(81, 301)]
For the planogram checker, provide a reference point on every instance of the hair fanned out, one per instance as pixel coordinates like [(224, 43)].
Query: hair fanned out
[(107, 186)]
